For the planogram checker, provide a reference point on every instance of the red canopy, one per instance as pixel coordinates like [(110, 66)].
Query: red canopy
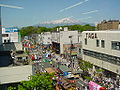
[(102, 88)]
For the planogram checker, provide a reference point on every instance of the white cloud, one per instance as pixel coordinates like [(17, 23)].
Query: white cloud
[(93, 11), (72, 6), (85, 18), (10, 6)]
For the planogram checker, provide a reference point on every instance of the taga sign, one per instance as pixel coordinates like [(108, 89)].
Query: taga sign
[(91, 35)]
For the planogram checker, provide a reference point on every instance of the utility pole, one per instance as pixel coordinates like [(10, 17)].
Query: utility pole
[(8, 6), (0, 29)]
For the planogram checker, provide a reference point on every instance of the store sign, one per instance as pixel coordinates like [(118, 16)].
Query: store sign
[(91, 35), (11, 29)]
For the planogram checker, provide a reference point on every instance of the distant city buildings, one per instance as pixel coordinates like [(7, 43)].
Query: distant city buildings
[(109, 25), (101, 48)]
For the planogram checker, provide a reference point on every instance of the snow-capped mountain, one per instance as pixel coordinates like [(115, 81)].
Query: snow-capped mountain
[(61, 22)]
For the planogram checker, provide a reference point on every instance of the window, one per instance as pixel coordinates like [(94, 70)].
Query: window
[(85, 41), (97, 43), (4, 35), (115, 45), (102, 56), (48, 37), (80, 50), (5, 41), (8, 40), (102, 43)]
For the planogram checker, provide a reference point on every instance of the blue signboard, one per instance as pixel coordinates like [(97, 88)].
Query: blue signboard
[(11, 29), (65, 73)]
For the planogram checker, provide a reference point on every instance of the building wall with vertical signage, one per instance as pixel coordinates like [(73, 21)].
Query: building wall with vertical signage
[(102, 48), (108, 37)]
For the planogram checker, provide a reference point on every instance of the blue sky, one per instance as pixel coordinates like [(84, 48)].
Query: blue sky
[(37, 11)]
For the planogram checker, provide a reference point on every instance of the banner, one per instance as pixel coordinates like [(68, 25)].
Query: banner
[(94, 86)]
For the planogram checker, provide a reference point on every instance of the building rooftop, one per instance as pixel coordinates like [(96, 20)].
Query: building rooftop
[(103, 31), (15, 74)]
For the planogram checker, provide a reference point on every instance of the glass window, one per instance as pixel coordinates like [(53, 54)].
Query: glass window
[(5, 41), (102, 43), (48, 37), (8, 40), (85, 41), (115, 45), (4, 35), (97, 55), (97, 43)]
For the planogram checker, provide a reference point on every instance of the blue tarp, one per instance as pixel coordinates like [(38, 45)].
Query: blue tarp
[(65, 73)]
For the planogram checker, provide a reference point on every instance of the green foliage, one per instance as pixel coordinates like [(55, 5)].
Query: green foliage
[(11, 88), (81, 28), (27, 52), (99, 70), (25, 31), (88, 78), (40, 81), (85, 66)]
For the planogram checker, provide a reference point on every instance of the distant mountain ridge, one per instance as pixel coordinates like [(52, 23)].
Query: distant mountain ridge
[(62, 22)]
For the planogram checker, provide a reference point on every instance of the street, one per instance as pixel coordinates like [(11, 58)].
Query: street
[(54, 62)]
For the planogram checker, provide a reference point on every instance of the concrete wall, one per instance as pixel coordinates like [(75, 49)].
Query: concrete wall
[(64, 38), (107, 36), (12, 46), (55, 37), (100, 63), (46, 38), (18, 46), (15, 74)]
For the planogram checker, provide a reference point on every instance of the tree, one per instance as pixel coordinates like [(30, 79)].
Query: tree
[(11, 88), (25, 31), (40, 81), (85, 65)]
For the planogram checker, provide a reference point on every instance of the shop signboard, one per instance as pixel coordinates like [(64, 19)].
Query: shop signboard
[(11, 29), (94, 86)]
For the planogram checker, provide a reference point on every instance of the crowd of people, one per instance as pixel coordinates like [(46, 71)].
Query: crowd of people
[(109, 83)]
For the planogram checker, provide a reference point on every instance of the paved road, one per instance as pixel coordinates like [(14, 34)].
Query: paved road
[(40, 65)]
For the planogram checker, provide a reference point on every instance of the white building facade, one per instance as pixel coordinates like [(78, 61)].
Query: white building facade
[(62, 40), (102, 48), (10, 35), (46, 38), (68, 38)]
